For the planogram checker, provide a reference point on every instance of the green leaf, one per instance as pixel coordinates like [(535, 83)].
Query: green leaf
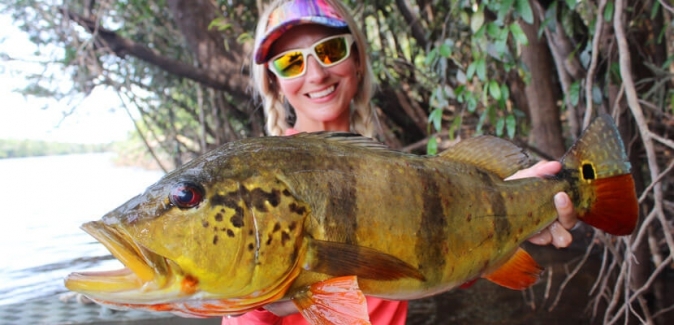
[(493, 30), (471, 101), (505, 92), (574, 93), (504, 9), (608, 11), (518, 33), (481, 68), (523, 8), (446, 50), (477, 20), (436, 118), (471, 70), (500, 124), (430, 57), (456, 125), (511, 125), (494, 90), (432, 146)]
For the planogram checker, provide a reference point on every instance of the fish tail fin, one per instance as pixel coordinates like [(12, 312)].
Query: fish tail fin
[(602, 188)]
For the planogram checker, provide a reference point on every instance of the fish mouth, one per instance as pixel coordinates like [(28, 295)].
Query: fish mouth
[(143, 268)]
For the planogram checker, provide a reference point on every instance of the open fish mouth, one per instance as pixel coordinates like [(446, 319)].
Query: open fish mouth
[(143, 269)]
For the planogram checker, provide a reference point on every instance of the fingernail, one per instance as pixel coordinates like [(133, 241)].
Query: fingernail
[(561, 201)]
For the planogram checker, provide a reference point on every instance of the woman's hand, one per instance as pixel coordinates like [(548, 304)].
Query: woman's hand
[(557, 233)]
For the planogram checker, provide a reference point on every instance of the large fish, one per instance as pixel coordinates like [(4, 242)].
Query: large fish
[(322, 219)]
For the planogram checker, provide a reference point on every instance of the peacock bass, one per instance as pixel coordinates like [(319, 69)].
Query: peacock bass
[(324, 219)]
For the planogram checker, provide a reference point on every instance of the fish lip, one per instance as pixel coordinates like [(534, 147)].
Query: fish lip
[(142, 266)]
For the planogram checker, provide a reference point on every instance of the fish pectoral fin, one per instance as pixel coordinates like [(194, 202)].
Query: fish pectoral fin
[(336, 301), (518, 273), (340, 259)]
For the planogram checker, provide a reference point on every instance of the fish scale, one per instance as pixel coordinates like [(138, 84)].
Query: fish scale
[(322, 219)]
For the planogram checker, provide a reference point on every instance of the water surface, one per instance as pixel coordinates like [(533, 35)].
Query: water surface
[(43, 201)]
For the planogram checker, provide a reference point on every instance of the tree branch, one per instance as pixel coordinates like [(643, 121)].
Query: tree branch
[(122, 47)]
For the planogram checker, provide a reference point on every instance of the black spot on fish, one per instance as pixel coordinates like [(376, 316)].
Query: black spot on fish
[(286, 192), (230, 233), (284, 238), (250, 232), (292, 226), (277, 227), (237, 220), (297, 209), (204, 223), (215, 239), (258, 198), (269, 238), (218, 217), (230, 200), (251, 247)]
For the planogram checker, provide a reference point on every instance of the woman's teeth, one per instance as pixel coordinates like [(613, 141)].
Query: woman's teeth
[(323, 93)]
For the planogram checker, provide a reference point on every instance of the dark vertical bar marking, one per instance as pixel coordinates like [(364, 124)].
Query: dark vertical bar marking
[(431, 237), (499, 217)]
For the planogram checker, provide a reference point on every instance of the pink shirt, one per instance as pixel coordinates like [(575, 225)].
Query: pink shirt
[(382, 312)]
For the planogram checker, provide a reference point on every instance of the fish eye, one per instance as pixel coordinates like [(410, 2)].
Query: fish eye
[(186, 195)]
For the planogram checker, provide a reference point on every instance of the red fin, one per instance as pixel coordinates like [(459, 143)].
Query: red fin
[(336, 301), (616, 208), (518, 273)]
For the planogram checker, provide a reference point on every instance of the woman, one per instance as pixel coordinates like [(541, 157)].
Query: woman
[(311, 55)]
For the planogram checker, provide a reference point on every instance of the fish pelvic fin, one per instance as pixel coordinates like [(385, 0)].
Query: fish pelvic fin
[(518, 273), (340, 259), (337, 301), (496, 155), (602, 188)]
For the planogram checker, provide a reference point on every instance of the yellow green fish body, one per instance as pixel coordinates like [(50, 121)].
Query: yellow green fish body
[(266, 219)]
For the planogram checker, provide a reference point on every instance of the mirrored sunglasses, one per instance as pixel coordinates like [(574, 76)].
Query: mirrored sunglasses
[(328, 52)]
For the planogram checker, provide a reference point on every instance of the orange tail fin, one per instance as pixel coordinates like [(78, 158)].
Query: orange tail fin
[(602, 186)]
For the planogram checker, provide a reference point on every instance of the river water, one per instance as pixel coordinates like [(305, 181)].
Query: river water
[(43, 201)]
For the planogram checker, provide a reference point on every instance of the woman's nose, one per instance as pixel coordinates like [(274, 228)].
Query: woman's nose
[(315, 71)]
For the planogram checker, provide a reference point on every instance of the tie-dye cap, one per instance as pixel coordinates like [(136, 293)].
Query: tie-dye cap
[(294, 13)]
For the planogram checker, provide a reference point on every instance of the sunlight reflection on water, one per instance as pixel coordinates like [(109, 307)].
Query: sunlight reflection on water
[(43, 201)]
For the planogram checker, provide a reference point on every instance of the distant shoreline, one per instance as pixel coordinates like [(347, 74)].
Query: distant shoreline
[(22, 148)]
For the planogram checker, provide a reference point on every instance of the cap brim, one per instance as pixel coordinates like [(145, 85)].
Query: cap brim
[(262, 50)]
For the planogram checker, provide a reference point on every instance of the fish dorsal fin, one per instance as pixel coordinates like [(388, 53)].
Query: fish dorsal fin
[(336, 301), (347, 138), (518, 273), (494, 154), (340, 259)]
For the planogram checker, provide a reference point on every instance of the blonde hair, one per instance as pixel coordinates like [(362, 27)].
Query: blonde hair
[(276, 109)]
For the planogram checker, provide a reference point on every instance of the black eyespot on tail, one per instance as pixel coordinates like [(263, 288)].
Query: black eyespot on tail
[(588, 172), (186, 195)]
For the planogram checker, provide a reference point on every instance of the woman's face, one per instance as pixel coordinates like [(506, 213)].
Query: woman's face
[(321, 97)]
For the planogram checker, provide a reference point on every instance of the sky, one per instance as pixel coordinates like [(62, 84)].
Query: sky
[(99, 118)]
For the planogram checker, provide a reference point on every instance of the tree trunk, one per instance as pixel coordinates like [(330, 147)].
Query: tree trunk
[(546, 129)]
